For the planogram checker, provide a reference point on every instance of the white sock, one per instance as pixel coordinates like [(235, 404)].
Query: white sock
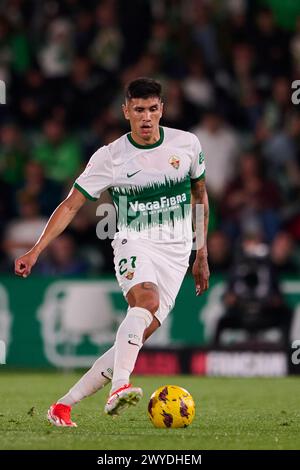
[(129, 341), (95, 379)]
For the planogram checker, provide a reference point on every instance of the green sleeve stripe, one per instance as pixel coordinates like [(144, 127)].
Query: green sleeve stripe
[(194, 180), (83, 191)]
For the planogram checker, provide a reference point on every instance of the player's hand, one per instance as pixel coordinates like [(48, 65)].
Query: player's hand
[(201, 273), (24, 264)]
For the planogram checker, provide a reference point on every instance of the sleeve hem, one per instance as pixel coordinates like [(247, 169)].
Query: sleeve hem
[(84, 192), (194, 180)]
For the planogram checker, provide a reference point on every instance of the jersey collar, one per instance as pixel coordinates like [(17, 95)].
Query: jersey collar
[(150, 146)]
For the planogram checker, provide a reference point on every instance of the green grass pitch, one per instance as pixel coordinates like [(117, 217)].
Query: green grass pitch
[(231, 413)]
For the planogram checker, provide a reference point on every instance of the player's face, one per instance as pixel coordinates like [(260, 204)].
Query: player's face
[(144, 116)]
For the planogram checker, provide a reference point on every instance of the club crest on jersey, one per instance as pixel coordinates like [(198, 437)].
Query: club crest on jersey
[(174, 161), (129, 275)]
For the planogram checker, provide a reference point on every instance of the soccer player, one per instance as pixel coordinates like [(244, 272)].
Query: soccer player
[(156, 177)]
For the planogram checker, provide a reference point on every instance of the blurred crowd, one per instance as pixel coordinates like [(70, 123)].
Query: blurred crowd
[(227, 70)]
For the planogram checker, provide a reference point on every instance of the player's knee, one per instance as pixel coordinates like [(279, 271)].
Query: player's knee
[(150, 303), (153, 306)]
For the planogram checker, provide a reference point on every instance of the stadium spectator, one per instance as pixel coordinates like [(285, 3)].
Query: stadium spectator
[(245, 87), (198, 90), (251, 199), (59, 154), (271, 43), (31, 99), (205, 36), (84, 31), (21, 232), (295, 49), (13, 153), (221, 148), (87, 93), (55, 58), (47, 192), (98, 254), (219, 253), (284, 254), (105, 50), (278, 109), (62, 259), (179, 113), (280, 150), (5, 49)]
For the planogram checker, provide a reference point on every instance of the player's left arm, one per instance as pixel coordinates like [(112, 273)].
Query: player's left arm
[(200, 208)]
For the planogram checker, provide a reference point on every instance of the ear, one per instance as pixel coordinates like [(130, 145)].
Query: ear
[(125, 111), (161, 109)]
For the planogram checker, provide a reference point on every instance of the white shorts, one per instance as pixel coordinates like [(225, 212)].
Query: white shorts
[(163, 264)]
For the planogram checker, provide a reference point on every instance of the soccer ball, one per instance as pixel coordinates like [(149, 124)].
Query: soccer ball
[(171, 406)]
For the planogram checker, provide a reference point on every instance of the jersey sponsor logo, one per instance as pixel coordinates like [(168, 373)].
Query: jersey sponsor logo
[(201, 158), (174, 161), (129, 175), (164, 201)]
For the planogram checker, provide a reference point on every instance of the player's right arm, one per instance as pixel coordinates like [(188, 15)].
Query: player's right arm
[(59, 220)]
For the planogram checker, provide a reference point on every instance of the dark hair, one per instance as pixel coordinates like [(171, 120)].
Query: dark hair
[(143, 88)]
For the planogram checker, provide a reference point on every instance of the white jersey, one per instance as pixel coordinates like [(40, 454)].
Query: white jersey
[(150, 184)]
